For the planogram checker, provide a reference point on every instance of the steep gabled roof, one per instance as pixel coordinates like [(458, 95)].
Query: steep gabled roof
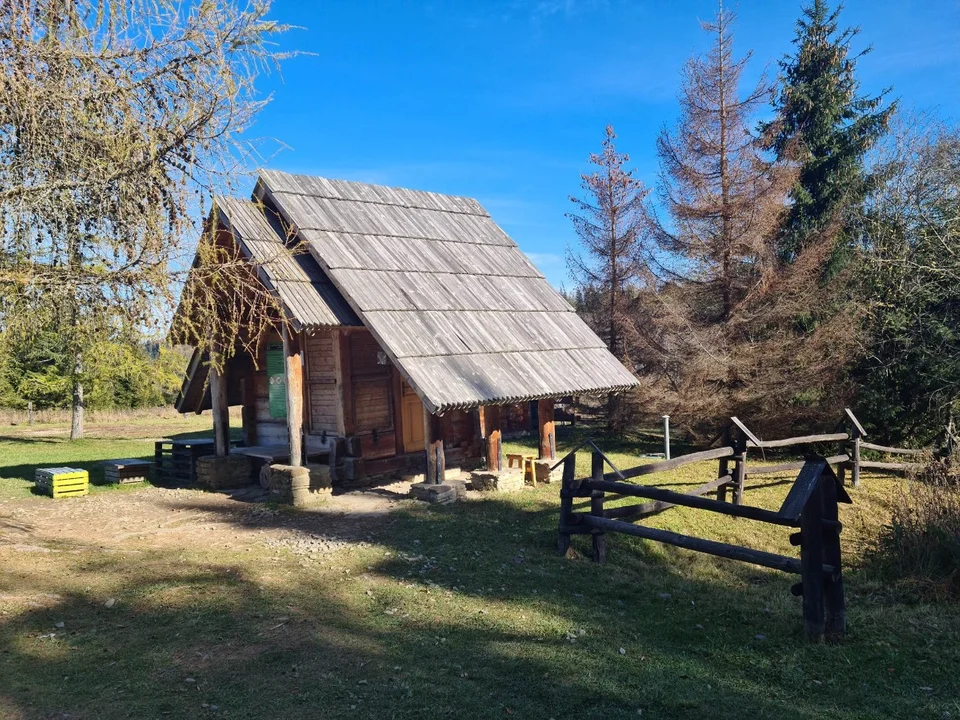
[(305, 291), (460, 310)]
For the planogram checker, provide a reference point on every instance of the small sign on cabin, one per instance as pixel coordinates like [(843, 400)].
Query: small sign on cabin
[(276, 382)]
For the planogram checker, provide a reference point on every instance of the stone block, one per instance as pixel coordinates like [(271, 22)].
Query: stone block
[(433, 493), (487, 481), (216, 473), (300, 486), (541, 468)]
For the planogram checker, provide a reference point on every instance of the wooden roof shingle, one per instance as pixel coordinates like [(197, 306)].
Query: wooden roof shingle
[(307, 295), (460, 310)]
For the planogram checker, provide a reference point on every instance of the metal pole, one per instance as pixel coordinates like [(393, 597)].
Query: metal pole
[(666, 437)]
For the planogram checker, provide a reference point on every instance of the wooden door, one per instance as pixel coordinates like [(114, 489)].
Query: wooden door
[(411, 418)]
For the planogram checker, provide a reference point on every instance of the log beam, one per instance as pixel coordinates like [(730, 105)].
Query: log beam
[(220, 410), (433, 441), (492, 419), (548, 440), (293, 375)]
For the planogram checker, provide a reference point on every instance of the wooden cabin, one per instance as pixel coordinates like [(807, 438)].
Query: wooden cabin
[(412, 320)]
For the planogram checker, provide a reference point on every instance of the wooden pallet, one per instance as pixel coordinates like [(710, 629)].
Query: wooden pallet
[(128, 470), (61, 482), (175, 461)]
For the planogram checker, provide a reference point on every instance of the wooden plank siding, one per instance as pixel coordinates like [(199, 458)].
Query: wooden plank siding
[(323, 395)]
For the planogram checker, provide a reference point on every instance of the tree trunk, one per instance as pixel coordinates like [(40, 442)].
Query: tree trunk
[(76, 420)]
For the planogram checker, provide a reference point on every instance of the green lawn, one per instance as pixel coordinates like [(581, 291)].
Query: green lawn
[(24, 448), (460, 611)]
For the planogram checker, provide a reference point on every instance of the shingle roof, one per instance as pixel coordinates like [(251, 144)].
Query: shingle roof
[(308, 296), (460, 310)]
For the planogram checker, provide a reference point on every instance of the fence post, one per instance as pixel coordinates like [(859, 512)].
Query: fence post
[(740, 470), (666, 437), (855, 460), (724, 468), (836, 612), (811, 563), (566, 502), (30, 413), (596, 508)]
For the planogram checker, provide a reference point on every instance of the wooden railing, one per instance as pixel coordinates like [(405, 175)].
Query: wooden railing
[(811, 506)]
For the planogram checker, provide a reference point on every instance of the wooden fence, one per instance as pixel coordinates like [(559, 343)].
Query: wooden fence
[(849, 439), (811, 506)]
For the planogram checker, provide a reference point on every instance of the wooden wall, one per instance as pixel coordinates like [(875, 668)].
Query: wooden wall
[(323, 398), (362, 405), (371, 408)]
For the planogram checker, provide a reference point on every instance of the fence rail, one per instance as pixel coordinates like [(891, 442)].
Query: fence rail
[(811, 506)]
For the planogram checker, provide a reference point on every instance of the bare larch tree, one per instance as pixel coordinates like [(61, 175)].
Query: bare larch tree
[(119, 119)]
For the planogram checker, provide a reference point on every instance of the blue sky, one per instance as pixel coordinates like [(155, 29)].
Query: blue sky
[(503, 100)]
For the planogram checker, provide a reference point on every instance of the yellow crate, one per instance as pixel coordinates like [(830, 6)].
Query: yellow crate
[(62, 482)]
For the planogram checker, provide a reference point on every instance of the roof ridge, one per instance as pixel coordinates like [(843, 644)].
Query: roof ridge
[(375, 186)]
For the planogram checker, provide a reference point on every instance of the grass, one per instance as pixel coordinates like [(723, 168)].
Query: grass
[(461, 611), (23, 448)]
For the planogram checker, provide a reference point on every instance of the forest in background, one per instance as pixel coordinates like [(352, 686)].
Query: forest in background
[(780, 270)]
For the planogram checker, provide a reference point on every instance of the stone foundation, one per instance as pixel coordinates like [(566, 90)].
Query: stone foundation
[(487, 481), (216, 473), (541, 469), (430, 492), (300, 486)]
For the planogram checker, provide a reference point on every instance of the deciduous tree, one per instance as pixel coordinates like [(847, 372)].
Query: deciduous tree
[(118, 120)]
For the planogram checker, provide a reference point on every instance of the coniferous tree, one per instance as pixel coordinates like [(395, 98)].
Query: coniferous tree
[(824, 125), (610, 221), (723, 198)]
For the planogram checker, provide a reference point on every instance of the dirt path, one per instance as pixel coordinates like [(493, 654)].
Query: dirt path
[(159, 518)]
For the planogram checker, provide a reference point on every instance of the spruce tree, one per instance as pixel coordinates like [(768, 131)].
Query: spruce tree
[(824, 125)]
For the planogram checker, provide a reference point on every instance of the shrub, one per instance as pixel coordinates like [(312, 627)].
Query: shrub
[(921, 544)]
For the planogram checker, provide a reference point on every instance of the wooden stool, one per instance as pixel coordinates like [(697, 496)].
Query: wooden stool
[(529, 470)]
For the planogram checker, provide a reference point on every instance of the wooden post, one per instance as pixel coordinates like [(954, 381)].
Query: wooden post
[(293, 376), (342, 371), (548, 441), (739, 473), (596, 508), (855, 462), (30, 413), (811, 564), (724, 468), (566, 502), (219, 408), (492, 421), (433, 440), (248, 386), (835, 623)]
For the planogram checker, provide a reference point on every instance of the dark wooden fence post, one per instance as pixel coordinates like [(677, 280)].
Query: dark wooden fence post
[(566, 502), (724, 469), (811, 563), (836, 612), (596, 508)]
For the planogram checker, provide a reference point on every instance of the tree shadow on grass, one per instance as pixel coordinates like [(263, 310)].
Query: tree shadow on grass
[(460, 611)]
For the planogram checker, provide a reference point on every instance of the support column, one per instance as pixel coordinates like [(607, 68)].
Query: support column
[(219, 409), (548, 440), (248, 386), (293, 375), (492, 424), (433, 440)]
